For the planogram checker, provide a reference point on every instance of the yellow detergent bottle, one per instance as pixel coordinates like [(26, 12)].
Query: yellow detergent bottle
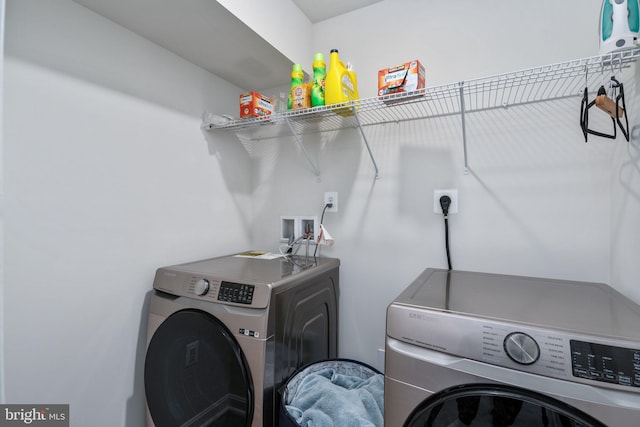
[(340, 84)]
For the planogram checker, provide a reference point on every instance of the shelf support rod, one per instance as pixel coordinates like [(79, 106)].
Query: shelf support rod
[(464, 129), (364, 138), (316, 170)]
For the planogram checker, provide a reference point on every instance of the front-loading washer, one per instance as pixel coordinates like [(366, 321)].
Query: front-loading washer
[(467, 348), (225, 333)]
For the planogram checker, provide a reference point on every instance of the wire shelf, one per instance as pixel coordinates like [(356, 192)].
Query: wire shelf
[(545, 83)]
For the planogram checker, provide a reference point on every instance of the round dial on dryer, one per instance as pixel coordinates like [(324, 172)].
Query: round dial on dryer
[(201, 287), (521, 348)]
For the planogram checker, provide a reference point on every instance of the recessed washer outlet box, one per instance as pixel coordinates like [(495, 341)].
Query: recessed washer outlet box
[(288, 228), (294, 226), (312, 223)]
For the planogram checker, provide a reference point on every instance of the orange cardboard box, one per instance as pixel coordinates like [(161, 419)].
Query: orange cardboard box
[(406, 77), (301, 96), (254, 104)]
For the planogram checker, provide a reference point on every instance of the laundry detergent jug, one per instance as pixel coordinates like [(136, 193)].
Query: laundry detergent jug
[(340, 84)]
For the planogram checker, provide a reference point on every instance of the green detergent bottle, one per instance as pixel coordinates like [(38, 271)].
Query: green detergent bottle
[(297, 79), (319, 76)]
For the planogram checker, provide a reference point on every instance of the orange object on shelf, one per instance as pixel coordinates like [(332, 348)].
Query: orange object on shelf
[(254, 104)]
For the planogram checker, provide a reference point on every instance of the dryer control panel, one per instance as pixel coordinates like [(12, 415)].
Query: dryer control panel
[(609, 364), (541, 351)]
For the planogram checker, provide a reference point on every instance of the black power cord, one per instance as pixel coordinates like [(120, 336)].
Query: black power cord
[(445, 203), (326, 206)]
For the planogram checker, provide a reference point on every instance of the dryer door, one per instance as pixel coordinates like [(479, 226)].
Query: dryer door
[(195, 374), (496, 405)]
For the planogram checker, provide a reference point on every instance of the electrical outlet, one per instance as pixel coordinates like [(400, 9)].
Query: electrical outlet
[(331, 197), (452, 193)]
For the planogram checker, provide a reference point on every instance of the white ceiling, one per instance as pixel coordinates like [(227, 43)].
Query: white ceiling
[(208, 35), (318, 11)]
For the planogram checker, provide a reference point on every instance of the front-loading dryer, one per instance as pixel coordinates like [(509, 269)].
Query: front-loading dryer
[(479, 349), (225, 333)]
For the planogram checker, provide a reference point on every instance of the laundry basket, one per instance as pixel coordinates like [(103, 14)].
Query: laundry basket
[(336, 392)]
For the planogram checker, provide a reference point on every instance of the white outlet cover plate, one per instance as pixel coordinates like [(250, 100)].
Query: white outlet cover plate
[(333, 195), (452, 193)]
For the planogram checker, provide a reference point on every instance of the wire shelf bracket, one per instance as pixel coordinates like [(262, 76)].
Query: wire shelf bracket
[(298, 140), (464, 130), (364, 140)]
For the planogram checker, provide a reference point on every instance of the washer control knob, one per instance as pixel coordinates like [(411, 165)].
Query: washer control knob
[(202, 287), (521, 348)]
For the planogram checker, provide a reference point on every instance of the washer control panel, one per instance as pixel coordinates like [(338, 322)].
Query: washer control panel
[(236, 292), (225, 292)]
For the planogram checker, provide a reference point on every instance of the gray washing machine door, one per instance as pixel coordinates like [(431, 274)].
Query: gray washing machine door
[(496, 405), (196, 374)]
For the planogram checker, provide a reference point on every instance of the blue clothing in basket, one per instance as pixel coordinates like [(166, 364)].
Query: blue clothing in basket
[(336, 393)]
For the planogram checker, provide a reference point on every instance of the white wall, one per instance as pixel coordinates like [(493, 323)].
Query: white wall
[(460, 40), (2, 13), (107, 176), (538, 200)]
